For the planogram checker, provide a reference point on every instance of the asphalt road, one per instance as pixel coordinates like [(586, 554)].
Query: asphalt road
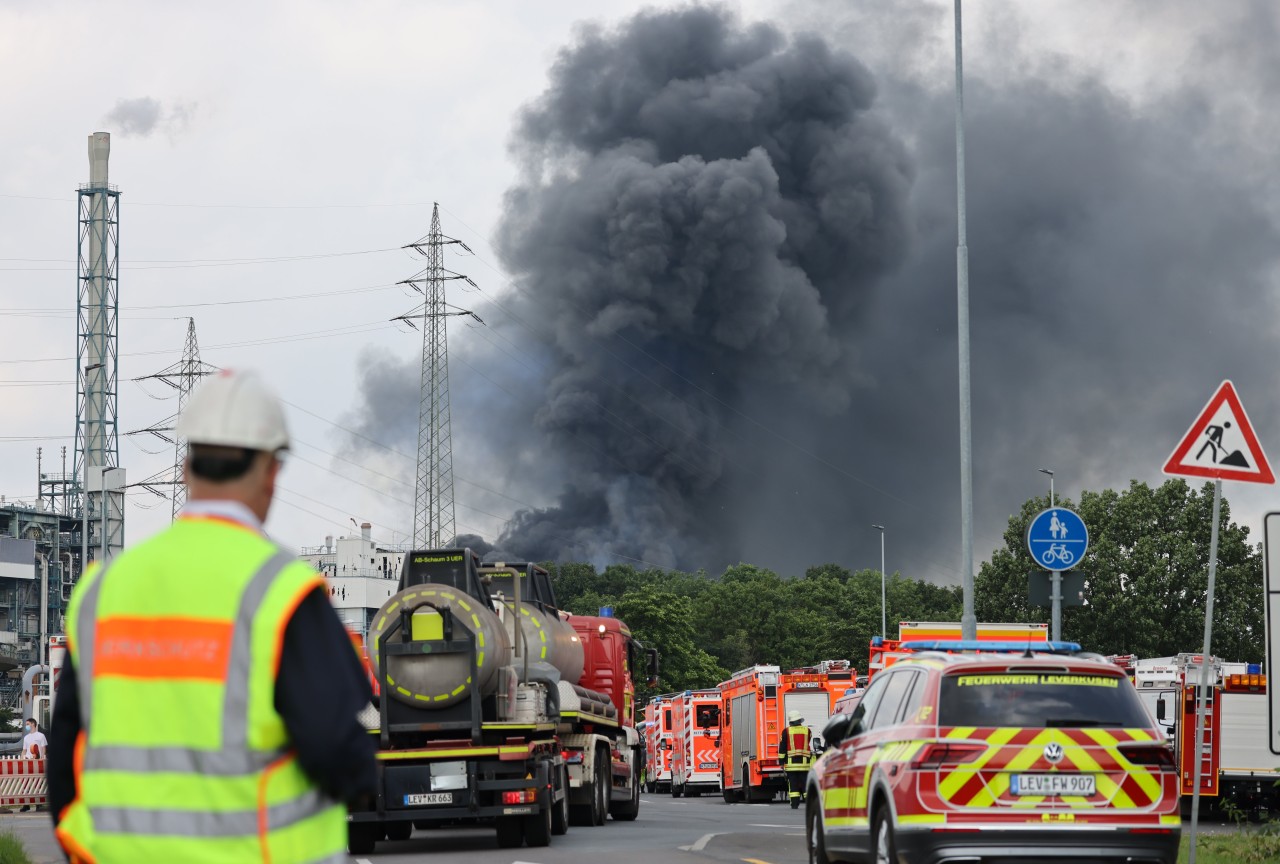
[(669, 831)]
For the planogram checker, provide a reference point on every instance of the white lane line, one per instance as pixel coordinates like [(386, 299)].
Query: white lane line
[(700, 845), (770, 825), (363, 861)]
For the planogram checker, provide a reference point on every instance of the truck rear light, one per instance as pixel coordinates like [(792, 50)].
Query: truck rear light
[(1157, 755), (572, 757), (520, 796), (939, 753), (1150, 830)]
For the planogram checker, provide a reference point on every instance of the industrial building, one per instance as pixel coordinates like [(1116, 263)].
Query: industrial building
[(361, 575)]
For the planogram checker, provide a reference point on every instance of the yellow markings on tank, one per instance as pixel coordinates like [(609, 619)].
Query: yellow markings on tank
[(475, 619), (409, 597), (404, 691), (391, 680), (536, 622), (440, 698), (480, 639), (391, 607), (468, 679), (381, 622), (421, 698), (480, 659), (458, 689), (543, 654), (430, 593), (464, 604)]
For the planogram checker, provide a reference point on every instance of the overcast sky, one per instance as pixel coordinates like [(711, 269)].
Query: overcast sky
[(1122, 235)]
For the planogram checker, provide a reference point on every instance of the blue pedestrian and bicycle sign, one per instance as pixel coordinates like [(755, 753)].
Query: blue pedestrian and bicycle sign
[(1057, 538)]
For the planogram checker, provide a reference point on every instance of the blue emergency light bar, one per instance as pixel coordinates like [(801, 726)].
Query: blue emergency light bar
[(990, 645)]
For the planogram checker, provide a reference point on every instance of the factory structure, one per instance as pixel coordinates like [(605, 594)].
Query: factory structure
[(78, 514), (361, 575)]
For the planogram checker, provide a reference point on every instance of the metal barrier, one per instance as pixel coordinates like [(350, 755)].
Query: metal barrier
[(22, 783)]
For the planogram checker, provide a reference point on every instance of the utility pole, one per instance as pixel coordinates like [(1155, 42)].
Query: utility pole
[(433, 510)]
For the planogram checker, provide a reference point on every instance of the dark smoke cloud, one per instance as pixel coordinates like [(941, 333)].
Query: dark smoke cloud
[(704, 208), (735, 255)]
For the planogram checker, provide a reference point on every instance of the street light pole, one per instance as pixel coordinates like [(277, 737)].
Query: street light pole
[(884, 625), (968, 620), (1052, 503), (1055, 580)]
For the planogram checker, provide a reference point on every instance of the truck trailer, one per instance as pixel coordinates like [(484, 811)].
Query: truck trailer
[(495, 706)]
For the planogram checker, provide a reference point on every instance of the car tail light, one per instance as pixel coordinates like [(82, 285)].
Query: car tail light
[(1158, 755), (520, 796), (939, 753)]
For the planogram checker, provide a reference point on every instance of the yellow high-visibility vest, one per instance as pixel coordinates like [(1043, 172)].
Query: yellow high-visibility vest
[(182, 756)]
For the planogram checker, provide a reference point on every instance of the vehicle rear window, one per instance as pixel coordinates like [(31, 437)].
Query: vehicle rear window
[(1039, 699)]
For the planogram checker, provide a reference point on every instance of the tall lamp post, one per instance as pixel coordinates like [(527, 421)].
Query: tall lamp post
[(1052, 503), (883, 616)]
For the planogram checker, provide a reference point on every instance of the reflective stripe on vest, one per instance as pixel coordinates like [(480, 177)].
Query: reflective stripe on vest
[(234, 758), (241, 797), (798, 746)]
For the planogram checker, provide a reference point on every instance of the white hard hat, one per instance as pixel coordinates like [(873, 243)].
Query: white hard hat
[(235, 409), (795, 717)]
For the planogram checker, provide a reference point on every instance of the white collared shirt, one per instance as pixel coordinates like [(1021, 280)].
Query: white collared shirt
[(235, 511)]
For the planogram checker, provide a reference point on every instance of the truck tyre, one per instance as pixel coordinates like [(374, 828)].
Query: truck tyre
[(604, 787), (693, 792), (399, 830), (560, 810), (676, 790), (730, 795), (537, 828), (510, 831), (628, 810), (362, 837)]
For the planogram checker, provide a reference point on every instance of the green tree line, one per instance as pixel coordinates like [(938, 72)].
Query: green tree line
[(1146, 576)]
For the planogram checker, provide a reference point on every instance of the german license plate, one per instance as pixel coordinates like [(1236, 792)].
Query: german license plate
[(1053, 784), (428, 798)]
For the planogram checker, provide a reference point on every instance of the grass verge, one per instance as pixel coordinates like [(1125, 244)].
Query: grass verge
[(1262, 847), (11, 849)]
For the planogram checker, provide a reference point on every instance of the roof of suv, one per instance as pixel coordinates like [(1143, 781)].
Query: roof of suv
[(1082, 661)]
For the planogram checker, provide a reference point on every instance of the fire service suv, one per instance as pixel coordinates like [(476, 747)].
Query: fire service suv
[(695, 739), (885, 651), (1237, 766), (754, 706), (658, 743), (493, 705), (983, 751)]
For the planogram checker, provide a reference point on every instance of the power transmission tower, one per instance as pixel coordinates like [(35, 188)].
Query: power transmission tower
[(182, 377), (433, 511)]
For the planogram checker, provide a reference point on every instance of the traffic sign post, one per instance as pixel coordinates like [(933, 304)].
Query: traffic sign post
[(1057, 540), (1221, 445), (1271, 602)]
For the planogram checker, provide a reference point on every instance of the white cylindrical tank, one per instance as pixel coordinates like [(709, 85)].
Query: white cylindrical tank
[(549, 640), (439, 680)]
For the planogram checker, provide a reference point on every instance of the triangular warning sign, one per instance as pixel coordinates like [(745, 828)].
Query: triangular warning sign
[(1221, 444)]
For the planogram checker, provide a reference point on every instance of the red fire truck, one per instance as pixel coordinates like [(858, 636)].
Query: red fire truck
[(885, 651), (695, 740), (755, 703), (657, 743)]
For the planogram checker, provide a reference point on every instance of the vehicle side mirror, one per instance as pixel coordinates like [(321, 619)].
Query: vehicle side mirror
[(1160, 710), (837, 729), (818, 747)]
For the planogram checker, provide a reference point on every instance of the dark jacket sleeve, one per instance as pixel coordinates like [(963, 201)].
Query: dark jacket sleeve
[(63, 731), (321, 687)]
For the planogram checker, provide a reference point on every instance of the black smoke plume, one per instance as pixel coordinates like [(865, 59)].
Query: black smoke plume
[(734, 255)]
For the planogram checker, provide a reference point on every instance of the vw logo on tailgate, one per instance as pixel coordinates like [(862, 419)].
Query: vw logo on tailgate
[(1053, 752)]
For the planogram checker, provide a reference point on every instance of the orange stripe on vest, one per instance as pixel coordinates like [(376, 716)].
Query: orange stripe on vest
[(172, 648)]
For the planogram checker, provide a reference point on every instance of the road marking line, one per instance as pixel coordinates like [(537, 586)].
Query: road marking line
[(771, 825), (363, 861), (754, 861), (700, 844)]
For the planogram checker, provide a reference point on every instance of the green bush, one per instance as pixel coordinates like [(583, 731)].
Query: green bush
[(11, 849)]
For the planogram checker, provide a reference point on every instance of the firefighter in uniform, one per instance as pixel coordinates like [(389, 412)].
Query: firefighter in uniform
[(210, 694), (797, 756)]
